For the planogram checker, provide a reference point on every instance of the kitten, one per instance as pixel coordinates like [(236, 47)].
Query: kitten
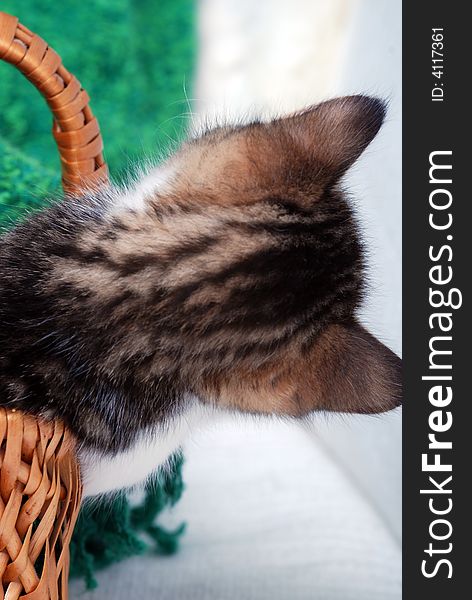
[(230, 278)]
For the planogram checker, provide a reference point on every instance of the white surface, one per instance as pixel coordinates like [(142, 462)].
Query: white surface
[(270, 54), (270, 516), (370, 449), (276, 511)]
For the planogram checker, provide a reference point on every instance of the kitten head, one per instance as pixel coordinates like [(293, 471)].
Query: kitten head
[(233, 275), (266, 268)]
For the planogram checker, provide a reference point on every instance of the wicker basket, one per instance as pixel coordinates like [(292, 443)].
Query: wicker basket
[(40, 489)]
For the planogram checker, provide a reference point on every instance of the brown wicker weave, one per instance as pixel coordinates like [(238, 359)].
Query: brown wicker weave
[(75, 129), (40, 488), (40, 495)]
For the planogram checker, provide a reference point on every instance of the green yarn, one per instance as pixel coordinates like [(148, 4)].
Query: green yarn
[(111, 530), (135, 58)]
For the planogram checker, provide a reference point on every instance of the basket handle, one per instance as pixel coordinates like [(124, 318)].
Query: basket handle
[(75, 129)]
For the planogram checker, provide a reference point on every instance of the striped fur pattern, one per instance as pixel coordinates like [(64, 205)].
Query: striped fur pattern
[(235, 279)]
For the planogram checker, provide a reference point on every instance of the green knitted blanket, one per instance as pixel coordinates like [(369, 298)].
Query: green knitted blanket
[(135, 58)]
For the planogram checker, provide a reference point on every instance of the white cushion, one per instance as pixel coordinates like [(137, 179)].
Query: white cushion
[(271, 515)]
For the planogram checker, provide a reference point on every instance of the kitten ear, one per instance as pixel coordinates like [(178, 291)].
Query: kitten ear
[(336, 132), (351, 371), (347, 370)]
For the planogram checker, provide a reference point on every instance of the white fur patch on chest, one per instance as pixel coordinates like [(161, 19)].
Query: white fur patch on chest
[(103, 474)]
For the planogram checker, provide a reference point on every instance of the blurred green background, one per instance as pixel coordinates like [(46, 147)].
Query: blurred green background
[(134, 57)]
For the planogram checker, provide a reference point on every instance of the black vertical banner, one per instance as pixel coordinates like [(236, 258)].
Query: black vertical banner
[(437, 336)]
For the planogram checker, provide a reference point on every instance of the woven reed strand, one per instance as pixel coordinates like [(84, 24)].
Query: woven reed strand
[(75, 129), (40, 495)]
